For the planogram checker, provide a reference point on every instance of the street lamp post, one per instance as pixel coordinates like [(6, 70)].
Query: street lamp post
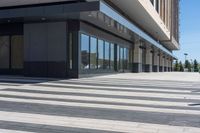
[(185, 61), (185, 56)]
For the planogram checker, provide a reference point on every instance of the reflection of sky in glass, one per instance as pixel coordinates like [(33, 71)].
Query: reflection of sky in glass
[(121, 57), (84, 51), (84, 43), (125, 53), (118, 51), (100, 48), (93, 53), (100, 53), (112, 50), (112, 47), (93, 45), (121, 52), (107, 50)]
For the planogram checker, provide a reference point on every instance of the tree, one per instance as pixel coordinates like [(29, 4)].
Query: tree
[(196, 66), (176, 66), (181, 69), (188, 65)]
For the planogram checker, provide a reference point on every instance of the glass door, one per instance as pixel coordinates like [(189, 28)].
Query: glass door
[(11, 54), (4, 52), (17, 49)]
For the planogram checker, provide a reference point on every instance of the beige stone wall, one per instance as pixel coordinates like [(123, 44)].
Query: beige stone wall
[(169, 13)]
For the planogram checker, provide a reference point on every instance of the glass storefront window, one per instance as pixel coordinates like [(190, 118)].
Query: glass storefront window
[(17, 51), (85, 51), (93, 53), (121, 58), (125, 58), (118, 57), (100, 54), (4, 52), (112, 55), (143, 56), (71, 50), (107, 56), (128, 59)]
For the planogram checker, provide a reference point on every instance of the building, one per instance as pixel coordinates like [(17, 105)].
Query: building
[(71, 38)]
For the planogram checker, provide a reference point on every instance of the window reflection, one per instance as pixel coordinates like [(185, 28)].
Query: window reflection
[(107, 56), (125, 58), (4, 52), (84, 51), (121, 58), (112, 54), (93, 53), (100, 54), (118, 57), (143, 56), (17, 52)]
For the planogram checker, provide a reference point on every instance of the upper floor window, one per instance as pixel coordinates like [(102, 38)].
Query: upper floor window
[(152, 1), (157, 5)]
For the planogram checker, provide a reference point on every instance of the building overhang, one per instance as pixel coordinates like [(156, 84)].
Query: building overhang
[(11, 3), (74, 10), (143, 13), (171, 44), (122, 20)]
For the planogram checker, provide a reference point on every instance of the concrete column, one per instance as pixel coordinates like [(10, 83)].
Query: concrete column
[(155, 61), (148, 65), (137, 61)]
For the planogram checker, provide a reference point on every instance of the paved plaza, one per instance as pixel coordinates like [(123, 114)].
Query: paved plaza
[(120, 103)]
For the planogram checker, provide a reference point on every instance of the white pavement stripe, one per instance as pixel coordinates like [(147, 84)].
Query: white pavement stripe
[(104, 106), (126, 81), (98, 99), (13, 131), (133, 83), (4, 87), (118, 88), (120, 93), (88, 123)]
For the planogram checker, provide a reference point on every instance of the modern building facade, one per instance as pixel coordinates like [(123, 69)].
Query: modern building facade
[(71, 38)]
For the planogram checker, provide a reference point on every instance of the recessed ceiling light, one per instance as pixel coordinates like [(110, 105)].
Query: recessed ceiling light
[(43, 19)]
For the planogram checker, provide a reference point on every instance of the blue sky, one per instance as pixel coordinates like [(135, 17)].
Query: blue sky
[(190, 30)]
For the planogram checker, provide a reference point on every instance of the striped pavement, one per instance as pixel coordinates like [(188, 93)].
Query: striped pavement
[(99, 105)]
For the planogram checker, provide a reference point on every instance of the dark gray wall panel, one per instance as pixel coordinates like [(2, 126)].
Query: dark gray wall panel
[(45, 49), (35, 42), (56, 40), (45, 41)]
